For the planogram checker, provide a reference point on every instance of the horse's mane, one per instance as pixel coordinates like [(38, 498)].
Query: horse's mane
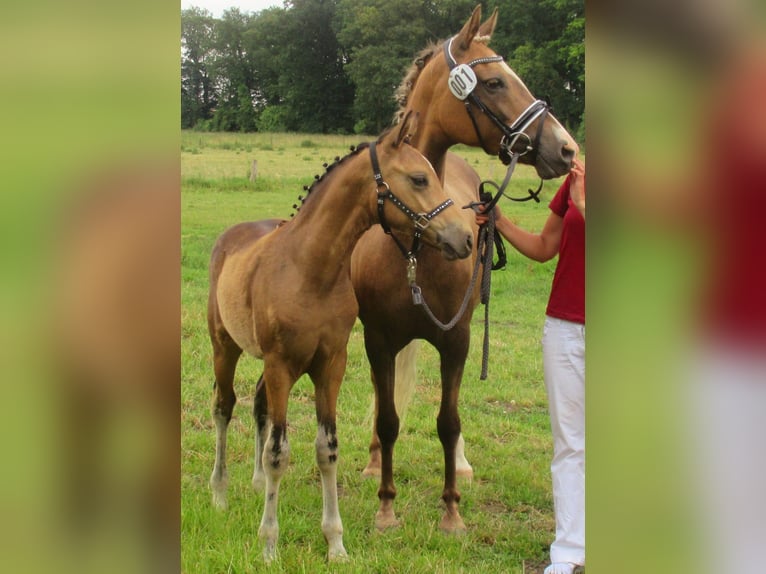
[(318, 179), (402, 94)]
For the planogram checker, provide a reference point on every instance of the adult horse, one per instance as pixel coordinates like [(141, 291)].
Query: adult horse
[(464, 93), (287, 298)]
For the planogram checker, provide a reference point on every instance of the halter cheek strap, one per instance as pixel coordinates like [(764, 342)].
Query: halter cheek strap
[(512, 133), (421, 220)]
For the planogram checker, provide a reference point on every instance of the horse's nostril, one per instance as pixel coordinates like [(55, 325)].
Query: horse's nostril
[(469, 242), (569, 151)]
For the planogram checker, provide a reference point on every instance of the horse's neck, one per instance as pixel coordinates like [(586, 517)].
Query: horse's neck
[(329, 226)]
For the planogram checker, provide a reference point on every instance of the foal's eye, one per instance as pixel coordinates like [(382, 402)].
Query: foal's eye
[(493, 84), (419, 180)]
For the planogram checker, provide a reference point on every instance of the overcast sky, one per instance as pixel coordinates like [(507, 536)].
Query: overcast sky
[(216, 7)]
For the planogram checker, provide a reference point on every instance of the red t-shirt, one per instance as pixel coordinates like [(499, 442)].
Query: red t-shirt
[(567, 300), (734, 296)]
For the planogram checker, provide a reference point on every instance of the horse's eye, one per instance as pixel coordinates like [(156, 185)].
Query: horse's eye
[(419, 180), (493, 84)]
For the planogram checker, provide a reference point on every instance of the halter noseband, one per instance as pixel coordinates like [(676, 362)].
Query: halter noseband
[(465, 92), (420, 220)]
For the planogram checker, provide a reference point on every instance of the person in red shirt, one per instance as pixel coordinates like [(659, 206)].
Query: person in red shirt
[(563, 345)]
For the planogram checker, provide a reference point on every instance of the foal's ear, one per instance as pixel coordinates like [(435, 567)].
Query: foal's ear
[(407, 127), (470, 29), (486, 29)]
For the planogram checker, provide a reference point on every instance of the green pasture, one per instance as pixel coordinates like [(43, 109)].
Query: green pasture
[(507, 507)]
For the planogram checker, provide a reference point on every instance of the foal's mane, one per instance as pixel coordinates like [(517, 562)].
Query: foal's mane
[(402, 94), (318, 179)]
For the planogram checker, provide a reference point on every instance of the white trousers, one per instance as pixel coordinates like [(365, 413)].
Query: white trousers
[(564, 370), (727, 395)]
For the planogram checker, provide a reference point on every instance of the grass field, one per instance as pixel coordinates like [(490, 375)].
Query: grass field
[(507, 507)]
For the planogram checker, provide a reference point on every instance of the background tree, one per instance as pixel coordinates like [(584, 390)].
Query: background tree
[(382, 38), (544, 42), (334, 65), (233, 72), (198, 98), (313, 84)]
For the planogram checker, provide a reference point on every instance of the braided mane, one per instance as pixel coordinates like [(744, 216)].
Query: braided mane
[(402, 94), (328, 168)]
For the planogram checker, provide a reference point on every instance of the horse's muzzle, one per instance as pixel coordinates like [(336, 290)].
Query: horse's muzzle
[(455, 242)]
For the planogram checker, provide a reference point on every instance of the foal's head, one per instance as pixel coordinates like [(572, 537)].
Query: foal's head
[(417, 203), (427, 89)]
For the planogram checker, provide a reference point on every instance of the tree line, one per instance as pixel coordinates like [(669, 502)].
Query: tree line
[(332, 66)]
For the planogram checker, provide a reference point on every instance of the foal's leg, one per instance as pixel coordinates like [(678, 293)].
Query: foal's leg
[(327, 384), (453, 355), (276, 455), (225, 356), (260, 414)]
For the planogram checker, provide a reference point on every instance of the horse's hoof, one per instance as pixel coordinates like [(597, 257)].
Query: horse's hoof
[(386, 520), (259, 482), (466, 473), (219, 501), (371, 471), (453, 525)]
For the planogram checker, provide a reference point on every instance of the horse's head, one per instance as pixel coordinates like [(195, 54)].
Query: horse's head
[(474, 97), (412, 204)]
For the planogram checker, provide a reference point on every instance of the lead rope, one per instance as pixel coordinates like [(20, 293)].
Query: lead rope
[(485, 249)]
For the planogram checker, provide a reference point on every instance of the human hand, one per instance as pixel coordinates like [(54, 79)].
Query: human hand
[(482, 218), (577, 185)]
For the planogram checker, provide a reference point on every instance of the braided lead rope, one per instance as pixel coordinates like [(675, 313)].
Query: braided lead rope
[(488, 234)]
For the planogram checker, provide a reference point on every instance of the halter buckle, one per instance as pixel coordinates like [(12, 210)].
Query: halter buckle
[(412, 267), (422, 221)]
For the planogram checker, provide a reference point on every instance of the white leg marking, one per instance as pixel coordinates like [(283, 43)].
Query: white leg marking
[(274, 463), (327, 460), (219, 479)]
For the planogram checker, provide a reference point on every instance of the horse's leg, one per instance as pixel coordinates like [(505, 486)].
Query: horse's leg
[(373, 464), (453, 352), (260, 414), (225, 356), (405, 377), (276, 455), (382, 362), (327, 384)]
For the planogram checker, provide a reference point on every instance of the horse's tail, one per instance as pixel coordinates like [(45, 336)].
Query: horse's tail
[(406, 377), (405, 381)]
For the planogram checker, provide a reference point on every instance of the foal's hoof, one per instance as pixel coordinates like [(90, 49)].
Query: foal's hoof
[(337, 556), (219, 501), (269, 553)]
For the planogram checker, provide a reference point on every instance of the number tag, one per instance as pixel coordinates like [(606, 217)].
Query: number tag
[(462, 81)]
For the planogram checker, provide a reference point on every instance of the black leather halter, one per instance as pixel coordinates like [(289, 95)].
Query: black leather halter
[(420, 220), (512, 133)]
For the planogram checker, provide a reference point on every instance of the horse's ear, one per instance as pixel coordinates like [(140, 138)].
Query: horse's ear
[(486, 30), (408, 126), (470, 29)]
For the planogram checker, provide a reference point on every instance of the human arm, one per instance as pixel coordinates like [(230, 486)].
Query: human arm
[(537, 246)]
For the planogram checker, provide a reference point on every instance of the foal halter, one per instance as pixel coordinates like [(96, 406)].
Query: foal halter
[(421, 221), (462, 84)]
